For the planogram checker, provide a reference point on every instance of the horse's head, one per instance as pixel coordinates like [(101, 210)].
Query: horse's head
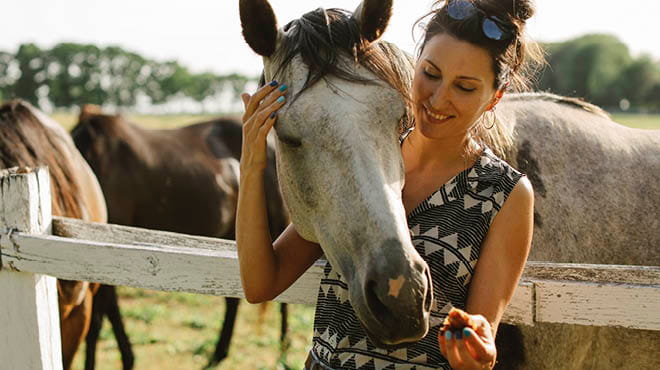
[(339, 160)]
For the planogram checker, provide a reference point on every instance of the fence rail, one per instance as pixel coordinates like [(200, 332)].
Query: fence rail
[(31, 246)]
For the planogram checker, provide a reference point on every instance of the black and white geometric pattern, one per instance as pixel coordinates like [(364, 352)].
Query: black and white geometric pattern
[(448, 229)]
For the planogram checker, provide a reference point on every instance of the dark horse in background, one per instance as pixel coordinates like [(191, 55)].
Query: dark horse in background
[(182, 180), (28, 138)]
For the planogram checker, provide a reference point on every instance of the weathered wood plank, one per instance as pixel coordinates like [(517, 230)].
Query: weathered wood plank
[(29, 318), (521, 309), (158, 267), (215, 271), (107, 233), (624, 274), (630, 306)]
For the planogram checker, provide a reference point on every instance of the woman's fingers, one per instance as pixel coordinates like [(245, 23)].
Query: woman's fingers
[(480, 350), (245, 97), (268, 111), (262, 94)]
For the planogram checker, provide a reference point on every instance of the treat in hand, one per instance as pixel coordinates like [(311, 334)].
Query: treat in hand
[(456, 320)]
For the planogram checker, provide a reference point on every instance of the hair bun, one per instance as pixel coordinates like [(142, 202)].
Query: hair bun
[(520, 10), (515, 10)]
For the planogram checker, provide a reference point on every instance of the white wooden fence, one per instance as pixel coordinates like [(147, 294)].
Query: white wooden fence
[(35, 247)]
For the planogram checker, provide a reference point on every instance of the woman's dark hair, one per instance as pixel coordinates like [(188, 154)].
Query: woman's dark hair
[(515, 59)]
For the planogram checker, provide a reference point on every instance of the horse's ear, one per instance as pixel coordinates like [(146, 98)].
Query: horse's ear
[(88, 110), (373, 17), (259, 26)]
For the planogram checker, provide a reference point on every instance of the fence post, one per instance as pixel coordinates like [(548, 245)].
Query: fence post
[(29, 314)]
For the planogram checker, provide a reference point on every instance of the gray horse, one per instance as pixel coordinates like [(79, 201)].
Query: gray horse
[(597, 190), (341, 175)]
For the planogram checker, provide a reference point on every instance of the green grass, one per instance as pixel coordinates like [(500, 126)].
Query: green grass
[(645, 121), (179, 331), (68, 120)]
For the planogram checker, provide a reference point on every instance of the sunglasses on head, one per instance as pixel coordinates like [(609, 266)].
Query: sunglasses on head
[(492, 27)]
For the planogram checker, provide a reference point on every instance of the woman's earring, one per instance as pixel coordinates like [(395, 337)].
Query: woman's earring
[(493, 120)]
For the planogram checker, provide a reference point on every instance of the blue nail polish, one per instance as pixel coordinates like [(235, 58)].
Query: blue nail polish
[(459, 335), (273, 83), (466, 333), (283, 87), (272, 115), (280, 99), (448, 335)]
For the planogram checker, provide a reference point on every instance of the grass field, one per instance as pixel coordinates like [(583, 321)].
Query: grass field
[(179, 330), (645, 121), (68, 120)]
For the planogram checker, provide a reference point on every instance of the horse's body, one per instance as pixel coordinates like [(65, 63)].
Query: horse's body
[(596, 185), (28, 138), (183, 180)]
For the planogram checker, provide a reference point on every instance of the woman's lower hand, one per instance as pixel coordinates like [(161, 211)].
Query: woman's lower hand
[(259, 117), (468, 348)]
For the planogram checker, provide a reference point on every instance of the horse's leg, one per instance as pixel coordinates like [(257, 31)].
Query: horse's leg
[(222, 347), (114, 315), (96, 324), (74, 328), (284, 310)]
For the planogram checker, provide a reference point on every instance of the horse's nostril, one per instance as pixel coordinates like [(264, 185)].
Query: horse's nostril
[(376, 306)]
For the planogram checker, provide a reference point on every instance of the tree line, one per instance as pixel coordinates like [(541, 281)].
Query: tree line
[(70, 74), (597, 68), (600, 69)]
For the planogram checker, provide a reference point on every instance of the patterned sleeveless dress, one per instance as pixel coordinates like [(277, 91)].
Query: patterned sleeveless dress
[(447, 229)]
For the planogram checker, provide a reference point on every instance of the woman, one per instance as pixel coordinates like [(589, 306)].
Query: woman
[(471, 53)]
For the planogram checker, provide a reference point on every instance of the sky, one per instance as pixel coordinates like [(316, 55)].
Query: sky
[(206, 35)]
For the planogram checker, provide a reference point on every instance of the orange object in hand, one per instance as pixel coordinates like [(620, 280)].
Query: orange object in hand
[(456, 320)]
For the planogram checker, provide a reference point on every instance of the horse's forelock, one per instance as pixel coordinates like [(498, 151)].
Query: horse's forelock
[(327, 41), (26, 142)]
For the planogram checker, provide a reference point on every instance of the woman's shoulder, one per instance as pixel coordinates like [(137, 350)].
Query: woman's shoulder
[(493, 172)]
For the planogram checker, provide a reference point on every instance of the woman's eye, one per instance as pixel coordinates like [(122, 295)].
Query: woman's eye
[(466, 89), (430, 75), (291, 142)]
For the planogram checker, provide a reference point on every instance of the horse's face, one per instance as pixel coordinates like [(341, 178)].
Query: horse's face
[(341, 174)]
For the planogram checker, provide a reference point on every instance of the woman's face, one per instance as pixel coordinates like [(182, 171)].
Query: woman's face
[(452, 87)]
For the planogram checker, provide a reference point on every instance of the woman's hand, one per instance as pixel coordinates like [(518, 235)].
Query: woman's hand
[(467, 348), (259, 117)]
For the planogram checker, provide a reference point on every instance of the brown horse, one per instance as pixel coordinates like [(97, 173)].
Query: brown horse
[(29, 139), (183, 180)]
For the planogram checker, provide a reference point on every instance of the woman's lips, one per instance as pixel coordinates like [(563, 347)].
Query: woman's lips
[(436, 116)]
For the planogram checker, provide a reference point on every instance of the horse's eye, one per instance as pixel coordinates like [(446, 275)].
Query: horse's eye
[(290, 141)]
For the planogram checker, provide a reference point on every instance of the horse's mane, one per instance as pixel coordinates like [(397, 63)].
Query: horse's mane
[(573, 102), (324, 38), (26, 142)]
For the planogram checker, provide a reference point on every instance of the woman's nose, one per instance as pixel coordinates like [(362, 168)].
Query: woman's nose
[(440, 96)]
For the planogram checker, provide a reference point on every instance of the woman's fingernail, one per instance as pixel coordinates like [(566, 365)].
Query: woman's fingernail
[(448, 335), (280, 99), (283, 87), (272, 115), (459, 335), (273, 83), (466, 333)]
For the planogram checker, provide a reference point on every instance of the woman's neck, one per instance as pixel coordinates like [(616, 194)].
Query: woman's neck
[(421, 153)]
